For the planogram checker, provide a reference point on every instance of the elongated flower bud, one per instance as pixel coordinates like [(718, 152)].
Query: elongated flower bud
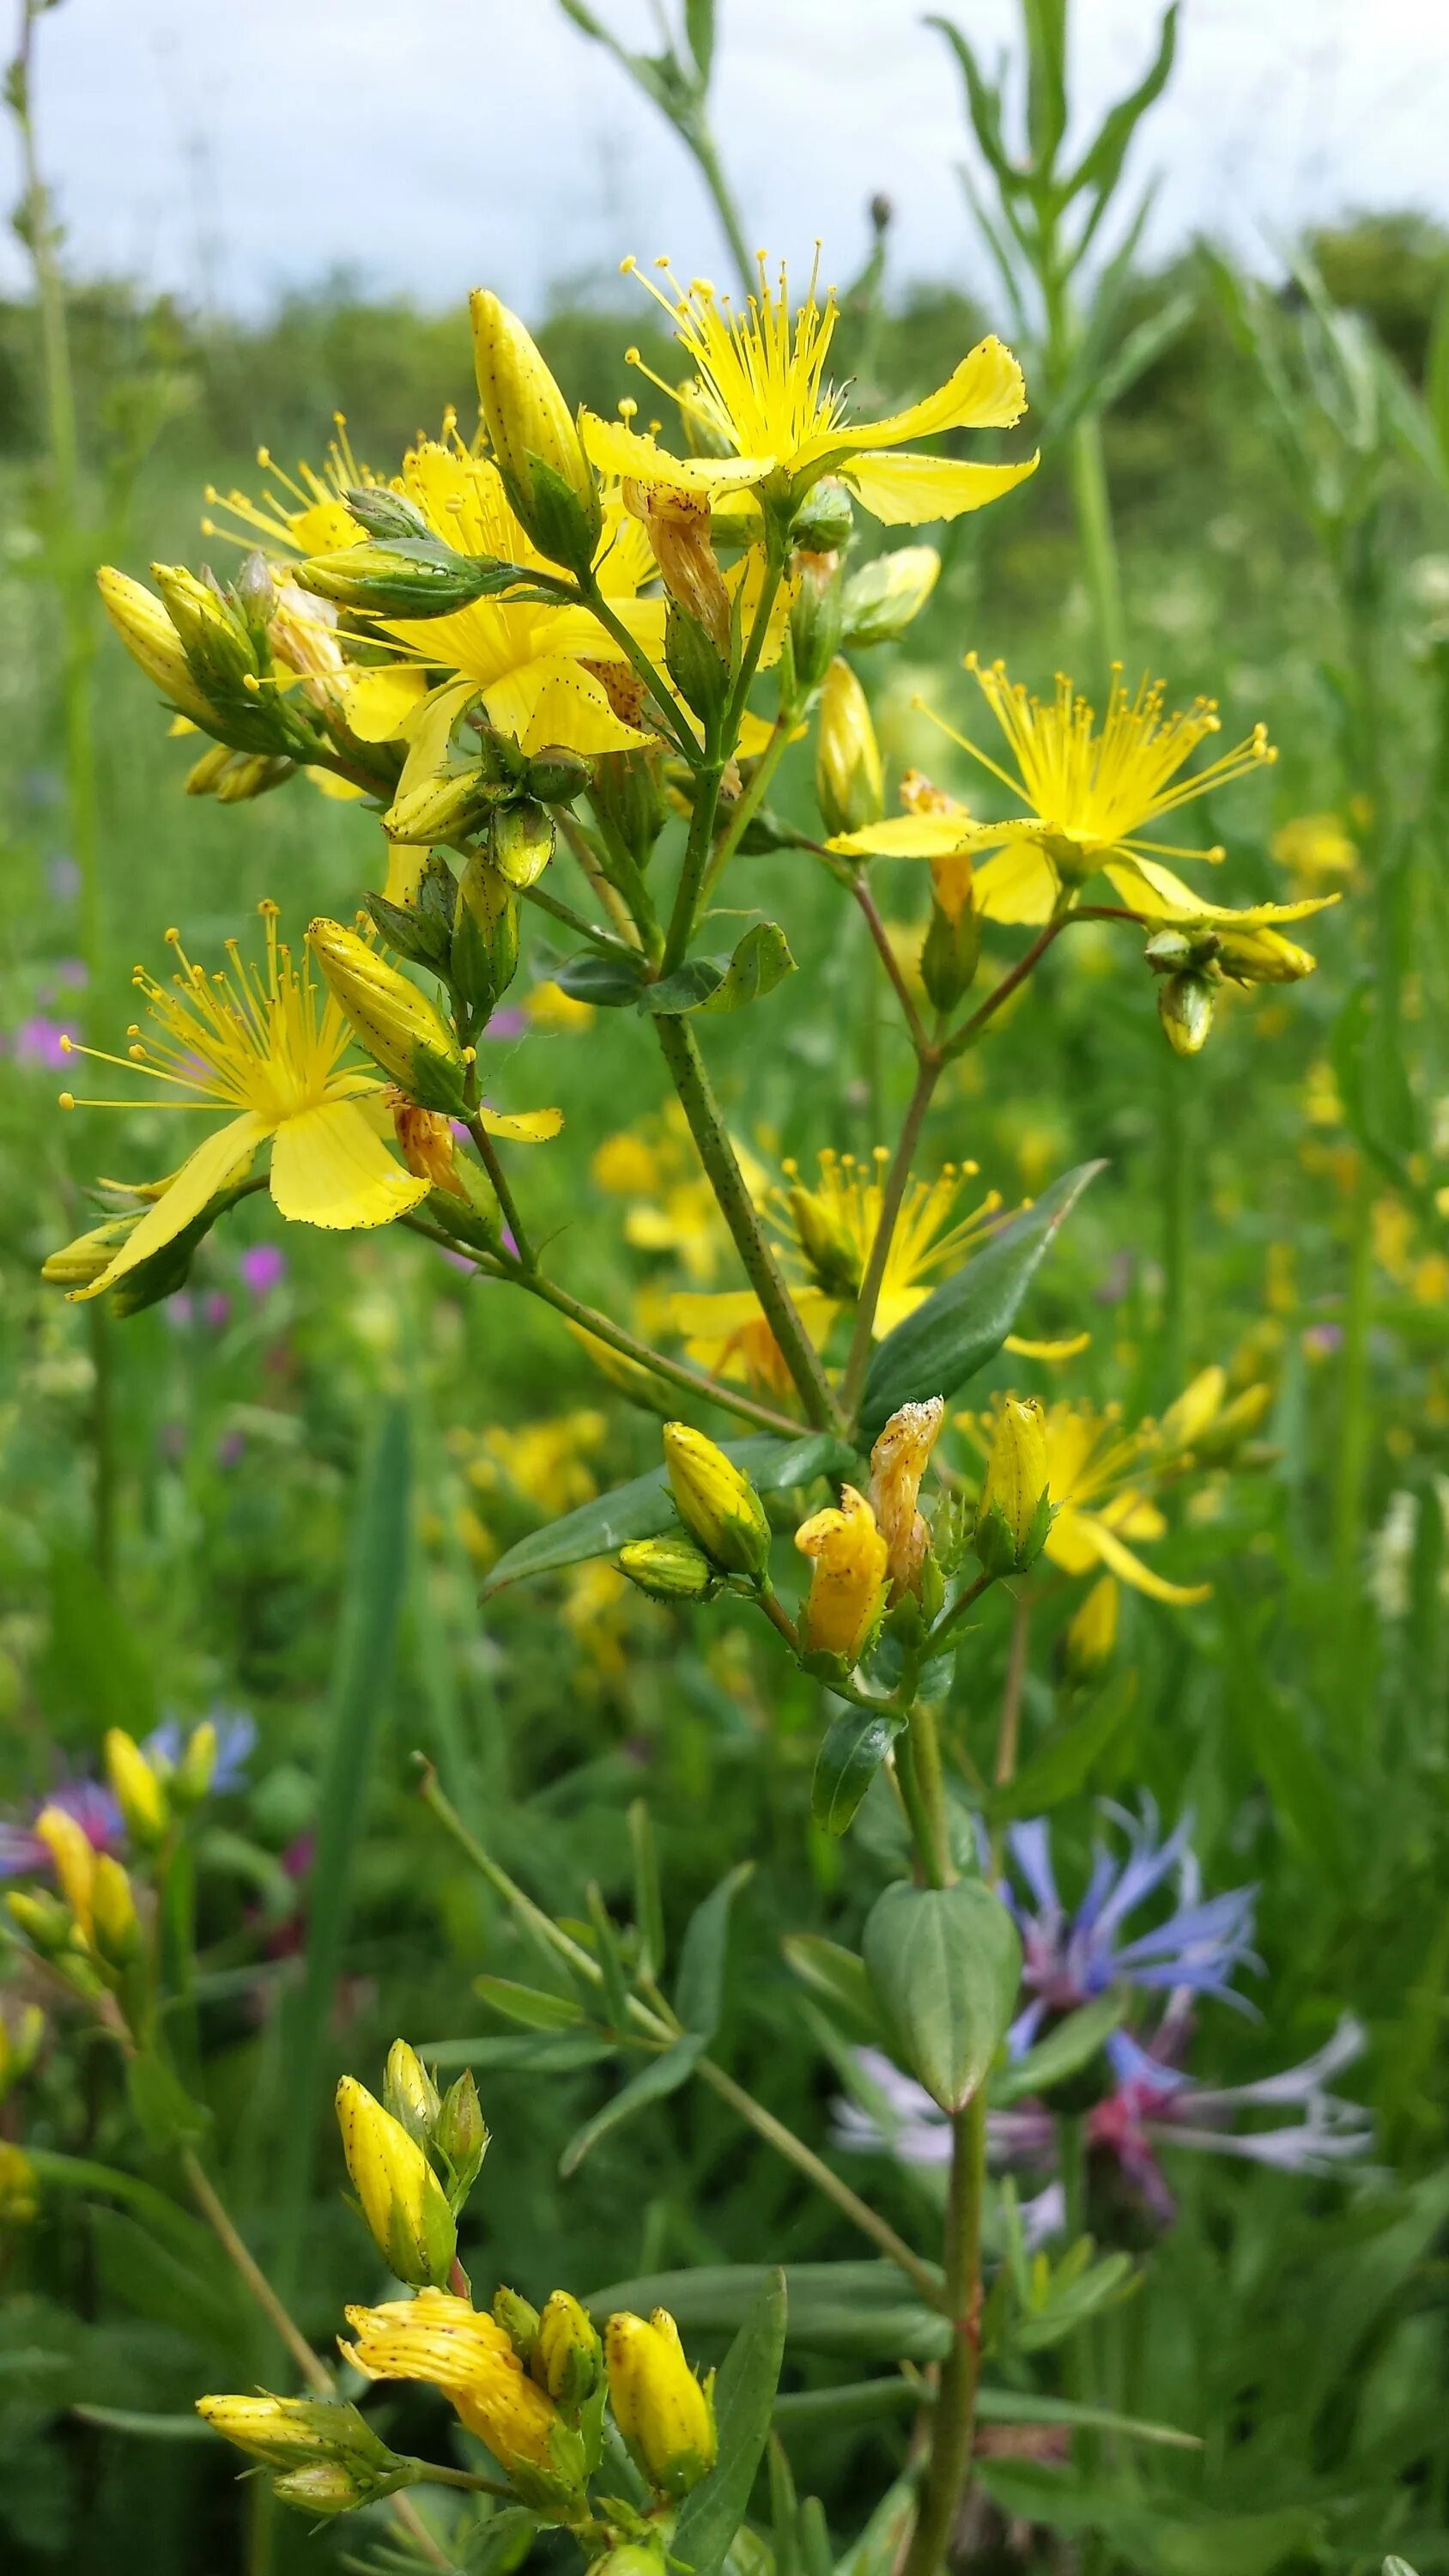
[(518, 2318), (396, 1023), (534, 437), (568, 2358), (144, 627), (483, 957), (897, 1464), (1014, 1513), (664, 2414), (668, 1568), (848, 1577), (197, 1767), (291, 2432), (717, 1504), (19, 2046), (137, 1789), (460, 2133), (402, 2199), (412, 577), (442, 808), (76, 1264), (883, 597), (849, 778), (1262, 957), (1091, 1632), (74, 1856), (221, 653), (409, 2094), (1185, 1008), (115, 1934)]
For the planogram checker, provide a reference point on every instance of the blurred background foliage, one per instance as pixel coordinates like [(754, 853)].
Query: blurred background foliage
[(1301, 1712)]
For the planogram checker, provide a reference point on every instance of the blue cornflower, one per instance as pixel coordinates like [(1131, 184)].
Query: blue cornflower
[(1067, 1958), (236, 1736)]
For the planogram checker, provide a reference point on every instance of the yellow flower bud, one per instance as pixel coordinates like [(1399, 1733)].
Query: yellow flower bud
[(137, 1789), (897, 1464), (1185, 1008), (440, 808), (664, 2414), (569, 2358), (1014, 1515), (78, 1263), (461, 2132), (849, 778), (668, 1569), (408, 2091), (534, 437), (519, 2319), (402, 2199), (1091, 1632), (299, 2432), (19, 2046), (398, 1025), (141, 621), (197, 1766), (19, 2190), (847, 1582), (446, 2342), (46, 1923), (115, 1934), (327, 2486), (74, 1856), (1262, 957), (717, 1504), (883, 597), (219, 651)]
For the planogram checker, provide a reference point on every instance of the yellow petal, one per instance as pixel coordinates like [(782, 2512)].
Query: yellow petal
[(377, 704), (523, 1126), (907, 836), (910, 491), (329, 1169), (1119, 1560), (553, 703), (1051, 1352), (179, 725), (617, 450), (405, 863), (328, 784), (1154, 890), (1019, 884), (219, 1162), (986, 391)]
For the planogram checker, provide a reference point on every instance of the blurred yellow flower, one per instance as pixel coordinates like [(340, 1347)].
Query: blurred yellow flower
[(1099, 1502), (1314, 846)]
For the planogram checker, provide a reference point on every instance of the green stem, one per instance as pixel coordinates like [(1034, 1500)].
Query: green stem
[(953, 2416), (1178, 1197), (313, 2370), (592, 866), (747, 804), (1092, 503), (928, 1074), (805, 2161), (691, 1081), (489, 1157), (1353, 1411), (700, 141), (696, 862), (592, 598), (629, 879), (970, 1030), (889, 960), (606, 941)]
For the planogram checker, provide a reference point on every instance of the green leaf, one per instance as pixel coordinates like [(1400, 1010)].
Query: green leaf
[(645, 1507), (358, 1699), (1073, 2297), (966, 1321), (648, 1900), (610, 982), (1100, 167), (863, 2311), (1065, 2051), (699, 1992), (546, 2052), (760, 962), (165, 2111), (658, 2077), (839, 1977), (744, 2399), (502, 2543), (139, 2424), (945, 1964), (866, 2401), (699, 29), (882, 2545), (529, 2005), (1065, 1764), (852, 1750)]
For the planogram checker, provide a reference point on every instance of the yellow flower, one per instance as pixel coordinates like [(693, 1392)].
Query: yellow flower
[(447, 2343), (19, 2189), (823, 1235), (897, 1464), (149, 634), (849, 778), (402, 2199), (260, 1044), (544, 1462), (1098, 1504), (759, 401), (1091, 1632), (1090, 795), (716, 1501), (1011, 1517), (848, 1576), (664, 2414), (673, 1209), (136, 1788), (1314, 846), (530, 427), (74, 1857)]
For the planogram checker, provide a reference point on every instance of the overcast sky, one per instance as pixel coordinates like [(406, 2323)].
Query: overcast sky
[(231, 148)]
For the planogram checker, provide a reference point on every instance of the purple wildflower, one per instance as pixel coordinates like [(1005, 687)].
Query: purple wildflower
[(506, 1024), (1070, 1957), (94, 1809), (39, 1041), (263, 1268)]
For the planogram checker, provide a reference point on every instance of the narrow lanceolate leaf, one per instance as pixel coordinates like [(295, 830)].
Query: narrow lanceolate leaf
[(838, 1978), (852, 1750), (859, 2311), (945, 1964), (645, 1507), (699, 1994), (965, 1323), (657, 2078), (867, 2401), (530, 2005), (744, 2402), (1065, 2051), (1064, 1766)]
